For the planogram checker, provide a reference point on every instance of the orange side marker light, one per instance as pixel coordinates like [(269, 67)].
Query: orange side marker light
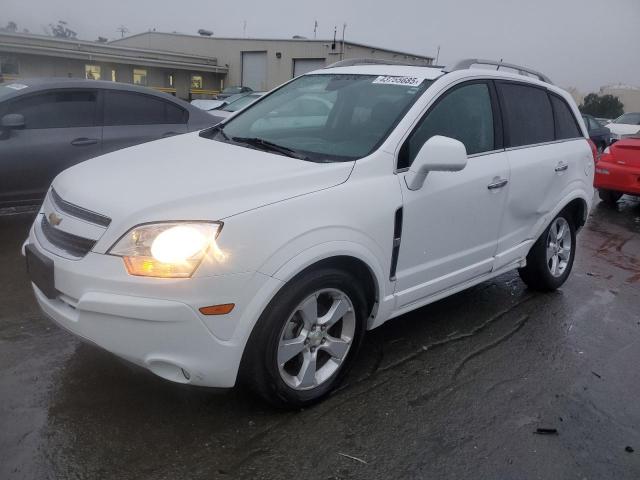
[(217, 309)]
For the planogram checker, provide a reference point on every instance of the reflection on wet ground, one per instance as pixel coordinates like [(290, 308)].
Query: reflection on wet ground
[(455, 389)]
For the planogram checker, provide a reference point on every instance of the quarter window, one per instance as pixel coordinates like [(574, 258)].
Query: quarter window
[(527, 114), (565, 122), (63, 109), (464, 113), (122, 108)]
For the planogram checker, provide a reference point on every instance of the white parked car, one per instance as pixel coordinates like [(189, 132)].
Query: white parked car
[(229, 109), (246, 253), (626, 124), (207, 105)]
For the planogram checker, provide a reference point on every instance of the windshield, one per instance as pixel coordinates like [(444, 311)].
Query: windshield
[(325, 117), (240, 103), (629, 119)]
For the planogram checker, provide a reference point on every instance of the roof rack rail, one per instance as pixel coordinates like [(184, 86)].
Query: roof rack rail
[(352, 62), (469, 62)]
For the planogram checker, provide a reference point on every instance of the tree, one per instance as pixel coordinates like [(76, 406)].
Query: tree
[(62, 31), (11, 27), (605, 106)]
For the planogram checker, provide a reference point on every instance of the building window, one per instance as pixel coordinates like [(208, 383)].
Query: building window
[(113, 75), (196, 82), (92, 72), (139, 76), (9, 65)]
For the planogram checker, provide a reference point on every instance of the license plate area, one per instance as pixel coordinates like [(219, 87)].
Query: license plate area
[(40, 269)]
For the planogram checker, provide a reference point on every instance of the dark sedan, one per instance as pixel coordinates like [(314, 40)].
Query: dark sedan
[(48, 125), (598, 133)]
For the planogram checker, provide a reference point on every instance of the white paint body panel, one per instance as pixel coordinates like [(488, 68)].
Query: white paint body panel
[(282, 215)]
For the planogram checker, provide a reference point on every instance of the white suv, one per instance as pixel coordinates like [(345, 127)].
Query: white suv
[(261, 250)]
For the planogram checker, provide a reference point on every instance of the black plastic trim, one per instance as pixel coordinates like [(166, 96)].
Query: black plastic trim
[(397, 238)]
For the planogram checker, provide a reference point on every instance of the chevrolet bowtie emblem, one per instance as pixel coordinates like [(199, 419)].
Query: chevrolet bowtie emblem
[(54, 219)]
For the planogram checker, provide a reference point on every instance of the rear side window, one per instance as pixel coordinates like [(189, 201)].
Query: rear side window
[(528, 116), (61, 109), (464, 113), (565, 122), (124, 108)]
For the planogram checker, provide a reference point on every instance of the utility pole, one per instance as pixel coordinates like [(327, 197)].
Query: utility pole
[(438, 56), (344, 27), (244, 29), (315, 29)]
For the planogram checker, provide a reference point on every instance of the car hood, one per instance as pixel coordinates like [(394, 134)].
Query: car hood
[(623, 128), (189, 177)]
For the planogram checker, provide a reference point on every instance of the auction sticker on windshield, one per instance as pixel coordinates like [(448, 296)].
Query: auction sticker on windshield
[(393, 80)]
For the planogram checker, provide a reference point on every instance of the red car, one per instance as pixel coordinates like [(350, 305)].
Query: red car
[(618, 170)]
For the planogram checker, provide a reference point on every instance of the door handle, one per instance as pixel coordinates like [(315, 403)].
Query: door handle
[(78, 142), (498, 184), (562, 167)]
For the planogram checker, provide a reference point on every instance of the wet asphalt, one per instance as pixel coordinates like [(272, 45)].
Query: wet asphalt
[(457, 389)]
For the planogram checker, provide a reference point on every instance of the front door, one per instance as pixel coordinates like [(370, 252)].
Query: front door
[(450, 226), (61, 129)]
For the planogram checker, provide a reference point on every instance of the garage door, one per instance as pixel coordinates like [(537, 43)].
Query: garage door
[(254, 70), (304, 65)]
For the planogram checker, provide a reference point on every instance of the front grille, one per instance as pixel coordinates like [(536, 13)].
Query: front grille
[(79, 212), (70, 243)]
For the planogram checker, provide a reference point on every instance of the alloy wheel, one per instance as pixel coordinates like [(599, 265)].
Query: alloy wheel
[(316, 339), (558, 247)]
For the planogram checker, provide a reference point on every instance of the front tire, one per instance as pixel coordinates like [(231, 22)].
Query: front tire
[(610, 197), (306, 339), (550, 260)]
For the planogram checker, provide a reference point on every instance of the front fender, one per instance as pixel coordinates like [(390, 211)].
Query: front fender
[(285, 271)]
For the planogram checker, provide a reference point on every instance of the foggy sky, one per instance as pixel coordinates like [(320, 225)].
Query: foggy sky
[(581, 43)]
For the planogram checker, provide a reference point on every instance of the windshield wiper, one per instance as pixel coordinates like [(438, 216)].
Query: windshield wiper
[(269, 146)]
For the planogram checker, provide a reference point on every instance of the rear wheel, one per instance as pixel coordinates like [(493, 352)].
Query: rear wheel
[(305, 340), (610, 197), (550, 259)]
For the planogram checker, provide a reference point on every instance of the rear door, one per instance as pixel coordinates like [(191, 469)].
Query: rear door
[(61, 129), (131, 118), (545, 149)]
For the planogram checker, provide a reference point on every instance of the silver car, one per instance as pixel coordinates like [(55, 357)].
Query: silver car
[(48, 125)]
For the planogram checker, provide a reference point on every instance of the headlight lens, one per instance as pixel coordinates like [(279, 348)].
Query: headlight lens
[(168, 250)]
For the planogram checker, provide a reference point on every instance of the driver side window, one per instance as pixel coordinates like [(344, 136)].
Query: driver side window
[(464, 113)]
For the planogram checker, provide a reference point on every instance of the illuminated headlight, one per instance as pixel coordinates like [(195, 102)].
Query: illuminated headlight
[(168, 250)]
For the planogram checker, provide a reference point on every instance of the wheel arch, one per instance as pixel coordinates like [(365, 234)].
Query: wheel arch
[(350, 257)]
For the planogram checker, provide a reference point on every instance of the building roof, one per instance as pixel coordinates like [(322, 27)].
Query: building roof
[(94, 51), (260, 39)]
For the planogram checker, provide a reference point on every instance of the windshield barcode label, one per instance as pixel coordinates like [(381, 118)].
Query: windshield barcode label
[(407, 81)]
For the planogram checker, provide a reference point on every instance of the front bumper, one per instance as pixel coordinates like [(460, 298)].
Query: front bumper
[(620, 178), (155, 323)]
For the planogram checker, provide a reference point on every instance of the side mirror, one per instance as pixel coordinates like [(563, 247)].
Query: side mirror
[(13, 121), (438, 154)]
